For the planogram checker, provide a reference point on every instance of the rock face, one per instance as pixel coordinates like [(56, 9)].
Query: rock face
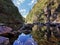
[(26, 28), (40, 7), (5, 29), (4, 41), (9, 14), (45, 11), (11, 20)]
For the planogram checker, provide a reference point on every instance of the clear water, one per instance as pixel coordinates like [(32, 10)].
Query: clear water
[(25, 40)]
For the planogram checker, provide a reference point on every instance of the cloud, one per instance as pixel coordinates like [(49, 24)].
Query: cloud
[(18, 2), (21, 1), (23, 6), (23, 12), (32, 2)]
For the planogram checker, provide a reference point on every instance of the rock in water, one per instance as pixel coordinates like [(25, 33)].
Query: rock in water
[(5, 29), (25, 40), (4, 41)]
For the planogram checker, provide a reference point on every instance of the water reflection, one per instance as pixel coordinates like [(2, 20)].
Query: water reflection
[(24, 39)]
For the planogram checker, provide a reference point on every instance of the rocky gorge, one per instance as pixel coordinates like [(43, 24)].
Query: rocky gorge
[(42, 22)]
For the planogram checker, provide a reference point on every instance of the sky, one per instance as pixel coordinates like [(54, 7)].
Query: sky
[(24, 6)]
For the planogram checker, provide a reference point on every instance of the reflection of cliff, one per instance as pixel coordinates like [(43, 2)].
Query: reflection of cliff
[(9, 14)]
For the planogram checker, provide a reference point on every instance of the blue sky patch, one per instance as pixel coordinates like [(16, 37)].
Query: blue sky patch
[(24, 6)]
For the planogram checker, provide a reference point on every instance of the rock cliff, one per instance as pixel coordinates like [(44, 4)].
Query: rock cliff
[(38, 14), (10, 20), (9, 14)]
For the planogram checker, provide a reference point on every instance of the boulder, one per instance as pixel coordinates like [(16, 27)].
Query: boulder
[(5, 29), (4, 41)]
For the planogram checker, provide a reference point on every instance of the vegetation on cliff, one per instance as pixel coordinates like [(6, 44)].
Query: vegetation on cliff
[(39, 14), (39, 8), (9, 14), (10, 17)]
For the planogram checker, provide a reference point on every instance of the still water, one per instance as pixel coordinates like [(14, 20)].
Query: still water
[(24, 39)]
